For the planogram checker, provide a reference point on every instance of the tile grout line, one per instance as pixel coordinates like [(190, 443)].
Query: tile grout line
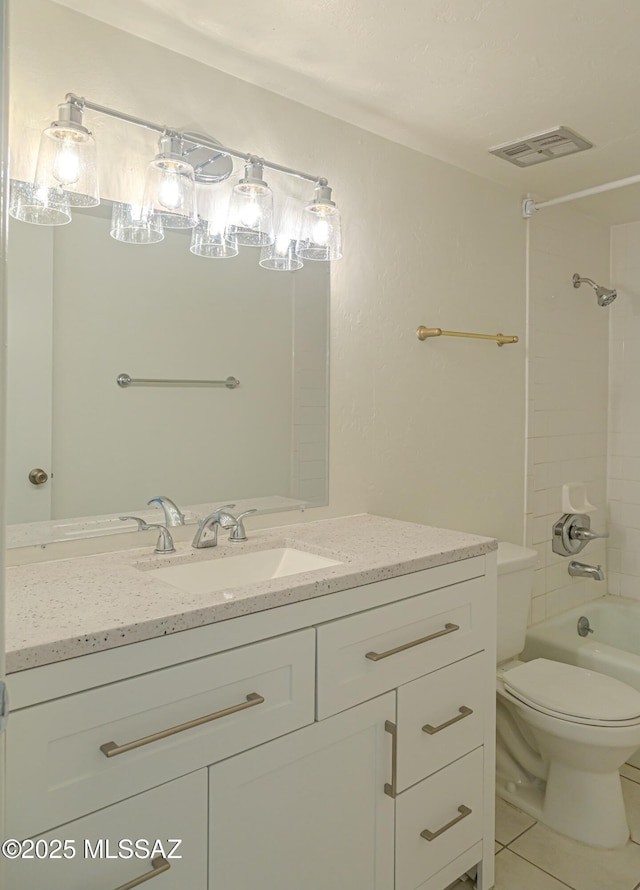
[(555, 877), (518, 836)]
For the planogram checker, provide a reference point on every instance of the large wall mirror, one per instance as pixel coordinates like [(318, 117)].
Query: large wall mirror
[(84, 308)]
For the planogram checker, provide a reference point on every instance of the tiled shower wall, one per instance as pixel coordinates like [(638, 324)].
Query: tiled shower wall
[(567, 395), (624, 414)]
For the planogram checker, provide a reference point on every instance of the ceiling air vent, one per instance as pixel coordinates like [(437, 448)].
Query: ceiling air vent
[(542, 147)]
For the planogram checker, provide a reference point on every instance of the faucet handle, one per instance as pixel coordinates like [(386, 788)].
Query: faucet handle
[(142, 523), (585, 534), (226, 519), (173, 515), (238, 532), (165, 541)]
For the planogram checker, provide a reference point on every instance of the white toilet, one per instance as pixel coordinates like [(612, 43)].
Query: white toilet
[(563, 731)]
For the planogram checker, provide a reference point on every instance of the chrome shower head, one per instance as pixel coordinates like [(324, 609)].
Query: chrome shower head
[(604, 295)]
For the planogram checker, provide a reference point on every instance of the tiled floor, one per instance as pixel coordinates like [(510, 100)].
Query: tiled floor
[(529, 856)]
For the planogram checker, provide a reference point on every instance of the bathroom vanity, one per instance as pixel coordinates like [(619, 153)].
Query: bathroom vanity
[(330, 728)]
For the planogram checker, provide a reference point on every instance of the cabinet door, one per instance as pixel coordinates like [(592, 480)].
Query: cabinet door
[(307, 810), (102, 842)]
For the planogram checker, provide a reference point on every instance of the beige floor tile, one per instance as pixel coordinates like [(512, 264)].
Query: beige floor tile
[(514, 873), (498, 847), (631, 794), (510, 822), (580, 866), (630, 772)]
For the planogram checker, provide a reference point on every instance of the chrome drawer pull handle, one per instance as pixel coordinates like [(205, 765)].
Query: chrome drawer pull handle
[(432, 730), (111, 749), (390, 787), (158, 866), (448, 629), (431, 835)]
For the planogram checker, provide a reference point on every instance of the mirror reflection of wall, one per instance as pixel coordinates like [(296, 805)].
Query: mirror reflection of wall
[(84, 308)]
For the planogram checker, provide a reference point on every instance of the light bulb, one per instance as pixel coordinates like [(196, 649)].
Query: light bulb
[(250, 213), (66, 164), (321, 232), (170, 192)]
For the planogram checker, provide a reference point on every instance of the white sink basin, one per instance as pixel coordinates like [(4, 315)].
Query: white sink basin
[(235, 571)]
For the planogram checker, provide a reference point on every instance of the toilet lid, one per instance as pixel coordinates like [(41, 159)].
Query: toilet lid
[(571, 691)]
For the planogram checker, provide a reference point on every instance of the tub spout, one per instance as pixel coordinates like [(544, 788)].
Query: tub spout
[(581, 570)]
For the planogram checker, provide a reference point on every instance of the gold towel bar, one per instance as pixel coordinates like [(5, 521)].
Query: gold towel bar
[(423, 333)]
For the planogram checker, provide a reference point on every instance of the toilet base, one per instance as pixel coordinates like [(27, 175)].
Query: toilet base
[(575, 788), (591, 803), (596, 818)]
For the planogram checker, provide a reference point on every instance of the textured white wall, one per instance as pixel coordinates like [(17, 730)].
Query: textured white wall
[(433, 431), (567, 395), (624, 413)]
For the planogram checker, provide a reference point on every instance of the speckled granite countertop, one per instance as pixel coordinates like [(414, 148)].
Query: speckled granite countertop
[(70, 607)]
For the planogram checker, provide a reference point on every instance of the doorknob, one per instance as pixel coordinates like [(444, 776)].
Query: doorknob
[(38, 476)]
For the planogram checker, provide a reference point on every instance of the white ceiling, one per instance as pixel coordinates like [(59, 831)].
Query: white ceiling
[(450, 78)]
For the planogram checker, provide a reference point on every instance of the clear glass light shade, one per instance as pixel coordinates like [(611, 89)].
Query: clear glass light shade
[(281, 255), (41, 207), (170, 191), (133, 224), (208, 241), (67, 161), (320, 233), (250, 219)]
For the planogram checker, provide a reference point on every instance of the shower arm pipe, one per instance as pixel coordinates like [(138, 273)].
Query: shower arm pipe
[(196, 138), (530, 206)]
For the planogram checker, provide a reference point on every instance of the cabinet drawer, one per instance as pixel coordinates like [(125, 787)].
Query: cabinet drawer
[(367, 654), (175, 811), (440, 718), (57, 768), (437, 820)]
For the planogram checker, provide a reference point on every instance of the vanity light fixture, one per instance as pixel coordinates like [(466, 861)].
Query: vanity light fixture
[(320, 234), (207, 237), (66, 175), (67, 158), (281, 255), (170, 186), (250, 220)]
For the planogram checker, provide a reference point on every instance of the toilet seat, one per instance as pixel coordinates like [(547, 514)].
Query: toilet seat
[(572, 693)]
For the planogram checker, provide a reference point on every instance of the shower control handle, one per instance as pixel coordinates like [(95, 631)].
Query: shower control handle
[(585, 534), (571, 534)]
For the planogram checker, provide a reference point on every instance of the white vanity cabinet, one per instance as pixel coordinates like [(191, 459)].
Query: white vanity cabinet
[(104, 858), (345, 741), (307, 810)]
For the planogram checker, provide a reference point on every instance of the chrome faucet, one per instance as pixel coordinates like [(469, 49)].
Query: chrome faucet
[(207, 533), (581, 570), (173, 516), (238, 532), (165, 541)]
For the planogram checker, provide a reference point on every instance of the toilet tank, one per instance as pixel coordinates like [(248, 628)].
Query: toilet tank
[(516, 566)]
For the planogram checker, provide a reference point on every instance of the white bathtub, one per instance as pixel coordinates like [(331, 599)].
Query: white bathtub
[(613, 648)]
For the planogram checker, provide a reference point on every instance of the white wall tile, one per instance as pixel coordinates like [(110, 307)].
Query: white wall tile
[(568, 435)]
